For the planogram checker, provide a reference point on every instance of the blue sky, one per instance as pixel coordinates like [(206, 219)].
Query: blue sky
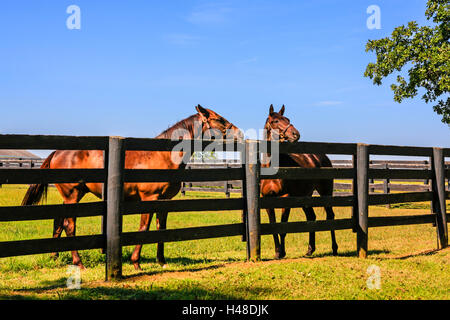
[(135, 68)]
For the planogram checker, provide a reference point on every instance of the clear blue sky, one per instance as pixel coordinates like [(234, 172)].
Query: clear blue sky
[(136, 67)]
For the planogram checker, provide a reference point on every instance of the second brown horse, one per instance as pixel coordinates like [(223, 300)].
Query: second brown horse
[(192, 127), (278, 127)]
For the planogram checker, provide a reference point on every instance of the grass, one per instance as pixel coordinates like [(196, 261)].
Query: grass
[(410, 267)]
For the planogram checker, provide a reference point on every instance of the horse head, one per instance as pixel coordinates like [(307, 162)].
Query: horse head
[(215, 124), (278, 127)]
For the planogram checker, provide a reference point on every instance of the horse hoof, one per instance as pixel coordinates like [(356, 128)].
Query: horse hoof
[(162, 264), (280, 255), (81, 266), (137, 267)]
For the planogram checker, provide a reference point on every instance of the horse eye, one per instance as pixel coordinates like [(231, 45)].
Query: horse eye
[(275, 121)]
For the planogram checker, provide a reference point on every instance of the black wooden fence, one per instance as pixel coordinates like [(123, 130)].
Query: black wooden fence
[(113, 175), (340, 188)]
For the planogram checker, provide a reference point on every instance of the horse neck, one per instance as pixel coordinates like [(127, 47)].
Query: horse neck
[(188, 127)]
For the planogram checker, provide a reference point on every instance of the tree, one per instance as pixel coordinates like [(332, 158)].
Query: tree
[(426, 50)]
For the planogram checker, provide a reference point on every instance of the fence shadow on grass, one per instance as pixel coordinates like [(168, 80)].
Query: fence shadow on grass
[(430, 252), (181, 292), (347, 253)]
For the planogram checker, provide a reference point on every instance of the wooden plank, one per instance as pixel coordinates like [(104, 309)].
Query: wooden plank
[(401, 220), (362, 196), (40, 176), (408, 187), (183, 234), (252, 175), (354, 190), (399, 174), (205, 189), (22, 213), (185, 205), (163, 175), (295, 173), (310, 147), (400, 150), (438, 200), (38, 246), (52, 142), (115, 196), (376, 199), (244, 214), (305, 226), (105, 193), (296, 202), (342, 186), (145, 144)]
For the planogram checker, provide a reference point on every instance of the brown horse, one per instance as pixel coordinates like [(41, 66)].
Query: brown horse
[(278, 127), (192, 127)]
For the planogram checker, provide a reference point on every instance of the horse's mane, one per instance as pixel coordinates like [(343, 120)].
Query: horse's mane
[(186, 124)]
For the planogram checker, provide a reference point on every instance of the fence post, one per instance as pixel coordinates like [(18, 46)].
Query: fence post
[(438, 187), (183, 186), (363, 197), (252, 175), (116, 164), (105, 194), (386, 188), (355, 193), (226, 189), (244, 216)]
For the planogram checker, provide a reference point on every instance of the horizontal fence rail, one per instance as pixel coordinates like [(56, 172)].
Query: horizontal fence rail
[(32, 142), (160, 175), (39, 176), (361, 172), (182, 234), (52, 211), (183, 205), (296, 202), (38, 246)]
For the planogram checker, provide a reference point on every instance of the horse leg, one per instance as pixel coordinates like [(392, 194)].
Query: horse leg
[(284, 218), (325, 188), (310, 216), (71, 194), (58, 227), (330, 216), (272, 219), (161, 220), (70, 228), (146, 218)]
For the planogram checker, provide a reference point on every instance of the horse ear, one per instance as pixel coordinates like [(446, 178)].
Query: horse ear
[(281, 112), (271, 109), (204, 114)]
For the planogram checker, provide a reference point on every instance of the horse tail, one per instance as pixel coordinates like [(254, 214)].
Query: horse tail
[(36, 192)]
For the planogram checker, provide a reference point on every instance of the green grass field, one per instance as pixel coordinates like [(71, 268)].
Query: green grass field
[(409, 265)]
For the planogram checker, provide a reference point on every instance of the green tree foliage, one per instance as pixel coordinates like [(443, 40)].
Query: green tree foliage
[(425, 50)]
